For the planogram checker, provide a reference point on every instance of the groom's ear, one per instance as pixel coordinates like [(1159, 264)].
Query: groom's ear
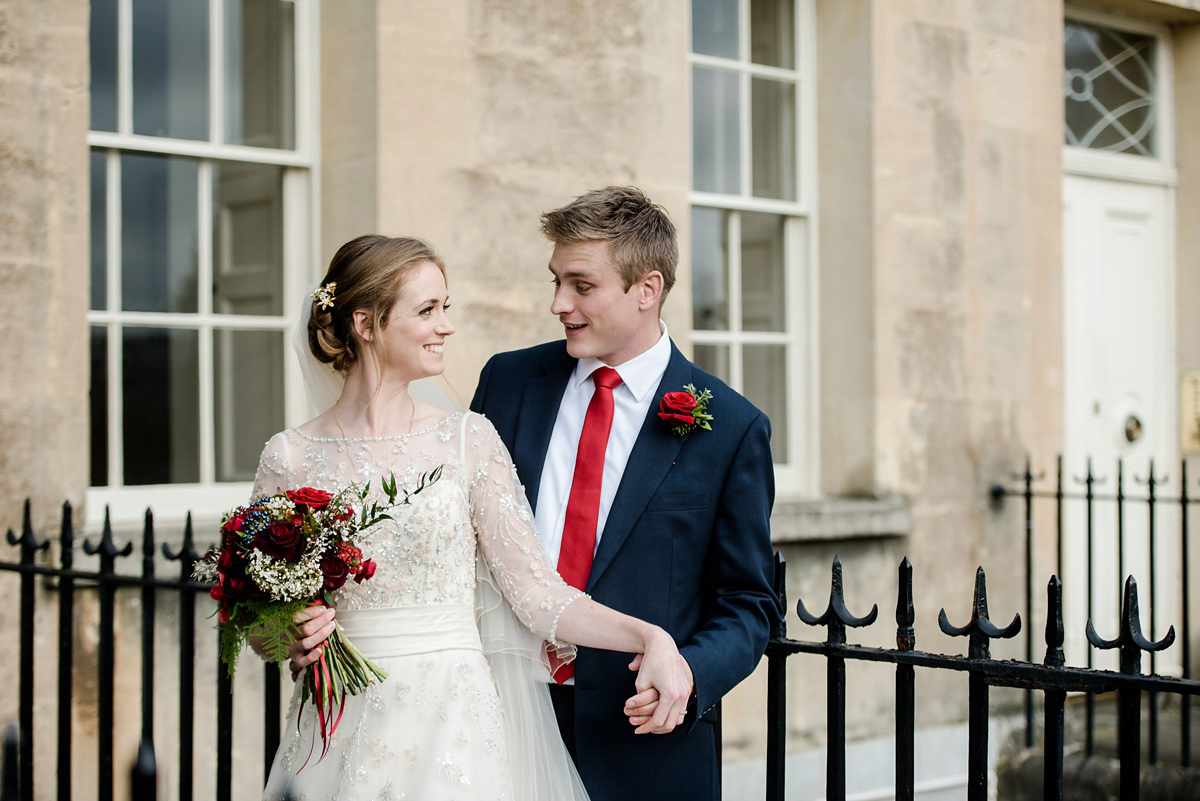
[(649, 289)]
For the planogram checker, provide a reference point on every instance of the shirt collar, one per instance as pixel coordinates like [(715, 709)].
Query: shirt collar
[(641, 374)]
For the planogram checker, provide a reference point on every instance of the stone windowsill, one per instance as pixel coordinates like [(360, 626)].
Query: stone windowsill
[(824, 519)]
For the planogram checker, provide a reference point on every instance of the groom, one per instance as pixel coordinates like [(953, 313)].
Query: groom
[(652, 509)]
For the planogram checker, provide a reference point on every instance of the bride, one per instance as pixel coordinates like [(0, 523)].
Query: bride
[(463, 598)]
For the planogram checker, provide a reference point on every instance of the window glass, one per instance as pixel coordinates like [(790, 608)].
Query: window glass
[(248, 238), (170, 68), (763, 291), (772, 33), (98, 406), (773, 138), (713, 359), (710, 247), (764, 376), (260, 73), (161, 398), (1109, 85), (102, 51), (159, 233), (99, 233), (248, 402), (716, 141), (715, 27)]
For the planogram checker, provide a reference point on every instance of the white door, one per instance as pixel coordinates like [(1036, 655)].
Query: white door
[(1119, 391)]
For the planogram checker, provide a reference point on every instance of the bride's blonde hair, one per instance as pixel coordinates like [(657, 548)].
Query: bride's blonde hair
[(368, 272)]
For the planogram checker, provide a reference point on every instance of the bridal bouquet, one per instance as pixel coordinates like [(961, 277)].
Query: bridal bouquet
[(286, 552)]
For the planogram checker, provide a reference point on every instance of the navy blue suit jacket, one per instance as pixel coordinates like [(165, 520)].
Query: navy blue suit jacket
[(686, 546)]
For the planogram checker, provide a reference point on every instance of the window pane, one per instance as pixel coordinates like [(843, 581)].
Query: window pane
[(762, 272), (715, 139), (161, 416), (710, 275), (102, 42), (259, 73), (1109, 86), (248, 380), (713, 359), (772, 33), (170, 68), (247, 238), (773, 138), (715, 27), (98, 406), (159, 233), (99, 286), (764, 370)]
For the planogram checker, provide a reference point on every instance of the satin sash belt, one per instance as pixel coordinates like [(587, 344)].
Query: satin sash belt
[(406, 630)]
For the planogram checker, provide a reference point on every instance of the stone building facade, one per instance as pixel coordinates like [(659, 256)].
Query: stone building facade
[(870, 196)]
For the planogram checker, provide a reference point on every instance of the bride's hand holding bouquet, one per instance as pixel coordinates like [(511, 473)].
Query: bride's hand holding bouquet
[(274, 573)]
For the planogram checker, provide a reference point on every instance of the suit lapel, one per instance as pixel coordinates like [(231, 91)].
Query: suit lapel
[(653, 454), (535, 423)]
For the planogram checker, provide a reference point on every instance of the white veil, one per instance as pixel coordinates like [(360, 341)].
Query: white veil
[(539, 763)]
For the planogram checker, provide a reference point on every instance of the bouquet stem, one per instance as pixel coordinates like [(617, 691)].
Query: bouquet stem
[(341, 671)]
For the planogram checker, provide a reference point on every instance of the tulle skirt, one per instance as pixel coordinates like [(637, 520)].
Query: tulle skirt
[(436, 728)]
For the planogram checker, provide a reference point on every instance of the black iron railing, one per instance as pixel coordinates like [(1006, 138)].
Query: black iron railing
[(1148, 506), (1051, 677), (108, 581)]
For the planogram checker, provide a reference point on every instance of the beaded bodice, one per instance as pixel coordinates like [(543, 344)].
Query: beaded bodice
[(428, 553)]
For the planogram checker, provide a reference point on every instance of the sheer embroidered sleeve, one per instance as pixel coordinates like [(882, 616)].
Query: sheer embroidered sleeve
[(273, 468), (505, 530)]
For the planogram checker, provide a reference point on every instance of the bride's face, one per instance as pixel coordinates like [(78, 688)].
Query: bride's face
[(418, 325)]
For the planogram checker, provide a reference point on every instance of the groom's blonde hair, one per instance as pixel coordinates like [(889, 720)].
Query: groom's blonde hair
[(639, 233)]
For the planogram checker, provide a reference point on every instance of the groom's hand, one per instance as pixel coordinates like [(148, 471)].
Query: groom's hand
[(659, 711)]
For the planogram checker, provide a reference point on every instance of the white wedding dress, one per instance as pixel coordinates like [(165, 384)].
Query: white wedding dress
[(461, 582)]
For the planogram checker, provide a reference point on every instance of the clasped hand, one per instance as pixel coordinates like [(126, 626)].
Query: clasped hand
[(664, 683)]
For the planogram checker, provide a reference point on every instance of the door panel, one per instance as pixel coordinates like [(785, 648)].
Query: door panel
[(1119, 397)]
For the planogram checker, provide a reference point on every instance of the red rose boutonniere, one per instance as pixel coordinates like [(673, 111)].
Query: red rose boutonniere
[(686, 411)]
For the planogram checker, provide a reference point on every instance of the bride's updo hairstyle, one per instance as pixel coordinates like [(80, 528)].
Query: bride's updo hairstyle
[(368, 271)]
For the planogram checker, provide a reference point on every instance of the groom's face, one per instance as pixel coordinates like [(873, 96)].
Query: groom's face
[(600, 318)]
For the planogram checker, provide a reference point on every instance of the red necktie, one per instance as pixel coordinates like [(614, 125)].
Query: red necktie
[(583, 504)]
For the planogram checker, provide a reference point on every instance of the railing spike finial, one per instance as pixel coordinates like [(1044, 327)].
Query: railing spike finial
[(980, 628), (906, 635), (148, 536), (187, 549), (1130, 640), (27, 540), (1054, 624), (107, 547), (779, 581), (9, 787), (1091, 478), (836, 616), (144, 776)]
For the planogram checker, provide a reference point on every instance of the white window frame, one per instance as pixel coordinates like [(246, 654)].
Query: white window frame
[(799, 477), (208, 498), (1127, 166)]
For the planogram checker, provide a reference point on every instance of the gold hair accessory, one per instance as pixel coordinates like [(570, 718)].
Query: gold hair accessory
[(323, 295)]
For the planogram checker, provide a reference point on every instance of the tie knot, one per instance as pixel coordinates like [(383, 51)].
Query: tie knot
[(606, 377)]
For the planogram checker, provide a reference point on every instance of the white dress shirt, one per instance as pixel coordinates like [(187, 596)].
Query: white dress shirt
[(640, 377)]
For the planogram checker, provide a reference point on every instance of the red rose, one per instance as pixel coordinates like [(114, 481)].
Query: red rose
[(312, 498), (336, 571), (364, 571), (677, 408), (282, 540)]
